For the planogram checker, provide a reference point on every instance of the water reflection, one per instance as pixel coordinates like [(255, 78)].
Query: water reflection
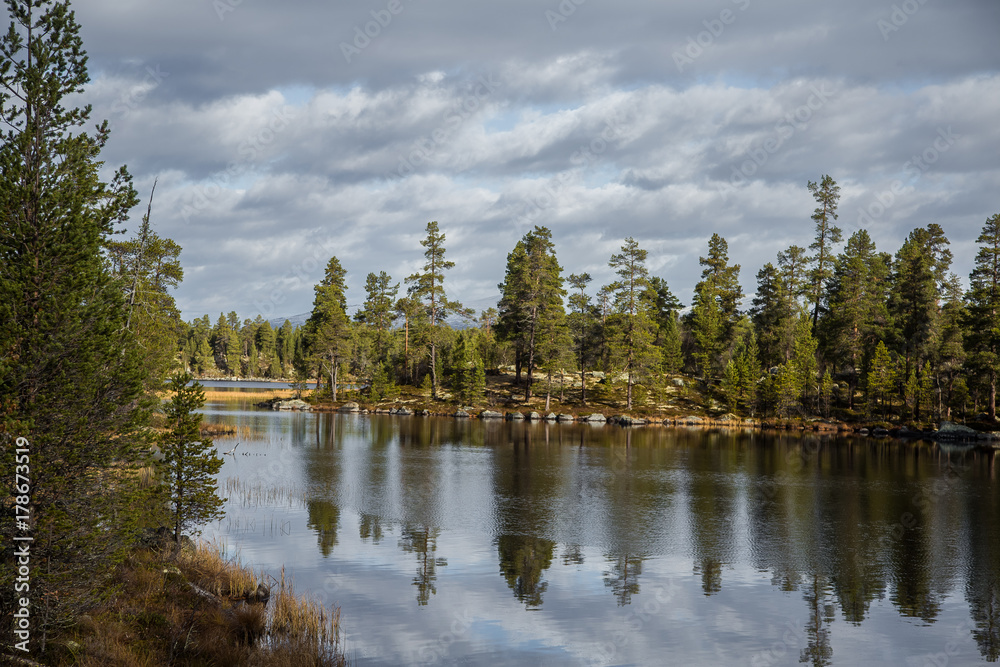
[(836, 534)]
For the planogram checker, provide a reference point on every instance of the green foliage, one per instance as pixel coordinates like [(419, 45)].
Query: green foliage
[(827, 195), (881, 380), (633, 327), (328, 330), (706, 325), (190, 463), (72, 376), (531, 315), (427, 290), (382, 387), (826, 392), (982, 318)]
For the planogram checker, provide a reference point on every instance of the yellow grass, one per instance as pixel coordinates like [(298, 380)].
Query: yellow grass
[(256, 395)]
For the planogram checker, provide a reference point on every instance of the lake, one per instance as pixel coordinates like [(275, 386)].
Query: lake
[(511, 543)]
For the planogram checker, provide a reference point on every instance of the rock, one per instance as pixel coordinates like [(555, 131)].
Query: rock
[(534, 416), (596, 417), (565, 418), (551, 417), (880, 432), (515, 416), (461, 414), (350, 406), (728, 417), (677, 382), (291, 404), (405, 412), (172, 569), (424, 413), (953, 431), (490, 414), (690, 420), (862, 431)]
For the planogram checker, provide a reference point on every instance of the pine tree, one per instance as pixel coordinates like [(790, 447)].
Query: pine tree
[(190, 462), (857, 316), (881, 380), (328, 329), (983, 315), (724, 281), (582, 325), (427, 288), (377, 311), (706, 326), (71, 376), (827, 195), (531, 298), (634, 330)]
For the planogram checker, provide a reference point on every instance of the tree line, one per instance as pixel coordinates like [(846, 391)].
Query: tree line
[(835, 327)]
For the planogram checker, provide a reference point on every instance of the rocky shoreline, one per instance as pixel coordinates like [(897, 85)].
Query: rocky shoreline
[(946, 432)]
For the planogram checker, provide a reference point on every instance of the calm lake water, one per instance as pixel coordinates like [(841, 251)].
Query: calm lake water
[(494, 543)]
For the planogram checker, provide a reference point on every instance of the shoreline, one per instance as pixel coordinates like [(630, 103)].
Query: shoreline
[(947, 432)]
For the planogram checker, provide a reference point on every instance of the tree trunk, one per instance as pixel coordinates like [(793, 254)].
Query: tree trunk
[(434, 377), (334, 369), (548, 391), (993, 397)]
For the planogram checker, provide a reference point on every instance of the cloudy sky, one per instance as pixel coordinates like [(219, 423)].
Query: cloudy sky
[(285, 133)]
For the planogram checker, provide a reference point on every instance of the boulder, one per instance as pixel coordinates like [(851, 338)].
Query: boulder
[(728, 417), (515, 416), (534, 416), (551, 417), (596, 417), (862, 431), (424, 413), (490, 414), (677, 382), (292, 404), (953, 431), (406, 412), (565, 418), (880, 432), (461, 414), (690, 420), (350, 406)]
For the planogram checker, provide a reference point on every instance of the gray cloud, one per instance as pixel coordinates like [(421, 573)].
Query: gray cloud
[(274, 151)]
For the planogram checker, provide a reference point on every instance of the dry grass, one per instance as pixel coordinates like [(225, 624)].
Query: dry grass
[(256, 395), (158, 618)]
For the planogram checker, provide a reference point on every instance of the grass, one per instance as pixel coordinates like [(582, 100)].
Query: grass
[(158, 617), (257, 395)]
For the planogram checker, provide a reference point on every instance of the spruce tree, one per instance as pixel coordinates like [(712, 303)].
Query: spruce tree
[(582, 324)]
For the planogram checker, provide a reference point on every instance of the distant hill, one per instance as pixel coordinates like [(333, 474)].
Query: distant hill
[(296, 320)]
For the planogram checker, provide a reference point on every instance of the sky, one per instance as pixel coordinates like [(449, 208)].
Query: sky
[(282, 134)]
